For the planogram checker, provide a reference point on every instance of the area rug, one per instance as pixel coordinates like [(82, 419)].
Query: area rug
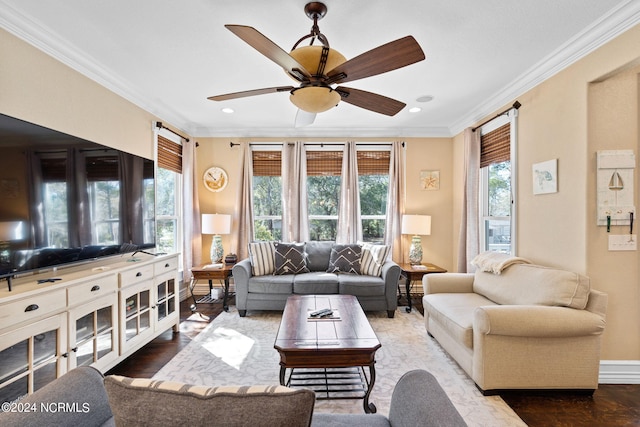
[(235, 350)]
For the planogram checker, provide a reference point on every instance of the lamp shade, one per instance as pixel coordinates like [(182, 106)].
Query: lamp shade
[(11, 230), (416, 225), (216, 224)]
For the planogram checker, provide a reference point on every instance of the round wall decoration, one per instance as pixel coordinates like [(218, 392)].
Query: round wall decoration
[(215, 179)]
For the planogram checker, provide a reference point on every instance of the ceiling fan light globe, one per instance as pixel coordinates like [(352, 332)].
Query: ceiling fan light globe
[(315, 99), (309, 58)]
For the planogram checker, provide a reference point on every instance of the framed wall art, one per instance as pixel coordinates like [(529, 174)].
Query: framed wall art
[(545, 177), (429, 180)]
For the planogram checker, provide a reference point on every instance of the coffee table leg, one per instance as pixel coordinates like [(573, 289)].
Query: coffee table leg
[(283, 371), (370, 408)]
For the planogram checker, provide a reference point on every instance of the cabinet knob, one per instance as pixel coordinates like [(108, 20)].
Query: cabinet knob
[(166, 265), (138, 274), (95, 288), (74, 349), (65, 355), (31, 307)]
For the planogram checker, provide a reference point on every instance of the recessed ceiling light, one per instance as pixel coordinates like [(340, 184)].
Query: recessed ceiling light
[(227, 110), (415, 109), (425, 98)]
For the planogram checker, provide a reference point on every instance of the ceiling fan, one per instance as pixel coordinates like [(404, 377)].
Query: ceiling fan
[(319, 68)]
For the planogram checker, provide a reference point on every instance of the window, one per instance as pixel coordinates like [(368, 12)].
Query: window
[(496, 185), (324, 169), (373, 182), (168, 196), (267, 194)]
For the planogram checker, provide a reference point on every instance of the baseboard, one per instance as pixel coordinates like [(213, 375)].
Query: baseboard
[(619, 372)]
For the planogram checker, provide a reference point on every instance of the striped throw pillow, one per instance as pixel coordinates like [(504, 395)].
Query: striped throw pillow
[(263, 258), (373, 257)]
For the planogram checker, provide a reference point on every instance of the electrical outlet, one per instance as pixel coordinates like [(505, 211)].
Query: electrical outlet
[(623, 242)]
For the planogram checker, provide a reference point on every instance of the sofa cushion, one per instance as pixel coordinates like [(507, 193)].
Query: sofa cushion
[(318, 254), (523, 284), (373, 257), (290, 258), (351, 284), (263, 258), (150, 402), (345, 259), (273, 284), (315, 282), (455, 313)]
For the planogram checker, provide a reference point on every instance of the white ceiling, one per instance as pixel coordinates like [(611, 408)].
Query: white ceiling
[(168, 56)]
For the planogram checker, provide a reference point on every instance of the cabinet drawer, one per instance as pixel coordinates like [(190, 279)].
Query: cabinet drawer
[(32, 307), (170, 264), (92, 289), (135, 275)]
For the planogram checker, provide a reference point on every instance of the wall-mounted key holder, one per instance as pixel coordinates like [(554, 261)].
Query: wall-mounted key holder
[(615, 187)]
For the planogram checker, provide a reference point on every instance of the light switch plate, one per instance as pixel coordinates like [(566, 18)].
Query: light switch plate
[(623, 242)]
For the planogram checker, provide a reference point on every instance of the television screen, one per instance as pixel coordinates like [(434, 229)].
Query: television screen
[(64, 199)]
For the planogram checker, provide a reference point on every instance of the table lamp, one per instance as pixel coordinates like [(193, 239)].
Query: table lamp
[(416, 225), (216, 224)]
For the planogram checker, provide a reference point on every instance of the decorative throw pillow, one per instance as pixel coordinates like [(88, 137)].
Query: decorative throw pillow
[(263, 258), (290, 258), (373, 257), (141, 401), (345, 259)]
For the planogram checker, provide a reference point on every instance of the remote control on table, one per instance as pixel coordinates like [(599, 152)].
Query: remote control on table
[(320, 312), (327, 313)]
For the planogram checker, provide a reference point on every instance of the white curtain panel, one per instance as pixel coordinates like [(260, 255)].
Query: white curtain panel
[(395, 200), (469, 240), (192, 237), (295, 222), (242, 227), (349, 223)]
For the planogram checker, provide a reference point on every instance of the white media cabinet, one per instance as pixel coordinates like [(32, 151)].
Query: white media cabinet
[(97, 313)]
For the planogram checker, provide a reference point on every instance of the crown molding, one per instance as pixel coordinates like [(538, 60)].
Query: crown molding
[(608, 27), (48, 42), (310, 132)]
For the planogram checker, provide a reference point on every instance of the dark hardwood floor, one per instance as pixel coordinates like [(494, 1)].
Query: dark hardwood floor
[(610, 405)]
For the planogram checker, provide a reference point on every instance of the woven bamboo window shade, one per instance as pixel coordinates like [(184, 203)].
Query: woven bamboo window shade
[(169, 155), (495, 146), (373, 162), (267, 163), (324, 163)]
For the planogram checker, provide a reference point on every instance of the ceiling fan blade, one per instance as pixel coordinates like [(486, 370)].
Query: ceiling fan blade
[(388, 57), (370, 101), (304, 118), (254, 92), (262, 44)]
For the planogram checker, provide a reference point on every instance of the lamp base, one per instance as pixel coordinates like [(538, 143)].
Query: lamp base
[(217, 251), (415, 251)]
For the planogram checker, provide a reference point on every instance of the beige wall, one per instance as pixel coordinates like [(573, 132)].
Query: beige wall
[(39, 89), (421, 154), (557, 121)]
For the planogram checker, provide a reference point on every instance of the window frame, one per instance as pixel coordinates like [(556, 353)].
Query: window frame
[(483, 196), (265, 147), (177, 218)]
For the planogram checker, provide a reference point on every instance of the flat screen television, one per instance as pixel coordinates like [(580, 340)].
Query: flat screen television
[(65, 200)]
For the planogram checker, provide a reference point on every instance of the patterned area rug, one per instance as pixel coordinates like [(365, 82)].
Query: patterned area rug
[(239, 351)]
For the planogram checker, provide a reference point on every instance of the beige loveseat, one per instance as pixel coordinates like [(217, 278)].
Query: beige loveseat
[(529, 327)]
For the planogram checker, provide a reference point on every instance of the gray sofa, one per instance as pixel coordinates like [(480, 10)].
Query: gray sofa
[(82, 397), (270, 292)]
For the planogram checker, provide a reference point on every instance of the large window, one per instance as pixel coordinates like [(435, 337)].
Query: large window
[(324, 169), (168, 196), (496, 185), (373, 182), (267, 194)]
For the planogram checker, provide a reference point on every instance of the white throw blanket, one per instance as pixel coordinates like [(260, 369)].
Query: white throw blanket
[(495, 262)]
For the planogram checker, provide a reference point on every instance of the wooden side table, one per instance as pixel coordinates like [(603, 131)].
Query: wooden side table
[(411, 274), (203, 273)]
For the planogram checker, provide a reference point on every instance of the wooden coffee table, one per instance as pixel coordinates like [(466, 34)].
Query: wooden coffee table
[(347, 342)]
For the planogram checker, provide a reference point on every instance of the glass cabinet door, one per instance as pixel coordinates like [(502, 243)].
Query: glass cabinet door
[(32, 356), (135, 320), (166, 296)]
